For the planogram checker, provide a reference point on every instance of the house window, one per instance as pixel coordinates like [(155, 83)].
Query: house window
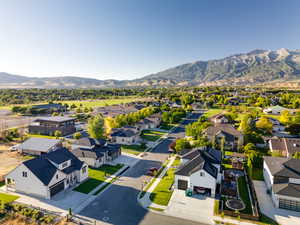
[(24, 174), (56, 176), (64, 164), (84, 169), (202, 174)]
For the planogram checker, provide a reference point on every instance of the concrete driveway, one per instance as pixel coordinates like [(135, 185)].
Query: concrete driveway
[(197, 208), (282, 216)]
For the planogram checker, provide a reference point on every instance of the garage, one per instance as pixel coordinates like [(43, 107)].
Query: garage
[(54, 189), (182, 184), (289, 204), (202, 190)]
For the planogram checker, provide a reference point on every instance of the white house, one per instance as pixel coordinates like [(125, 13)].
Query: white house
[(199, 171), (48, 174), (282, 178)]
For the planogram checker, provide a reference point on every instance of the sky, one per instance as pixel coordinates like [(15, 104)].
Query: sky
[(127, 39)]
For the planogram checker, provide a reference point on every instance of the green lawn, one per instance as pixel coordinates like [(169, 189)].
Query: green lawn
[(167, 126), (151, 135), (85, 103), (7, 198), (132, 149), (257, 174), (162, 193), (243, 191), (100, 103), (212, 112), (97, 177)]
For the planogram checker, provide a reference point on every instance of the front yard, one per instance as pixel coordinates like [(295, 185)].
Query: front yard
[(133, 149), (6, 198), (163, 192), (151, 135), (96, 177)]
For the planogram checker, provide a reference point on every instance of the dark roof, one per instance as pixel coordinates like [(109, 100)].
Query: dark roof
[(44, 170), (39, 144), (196, 164), (211, 155), (287, 189), (89, 142), (291, 145), (58, 119)]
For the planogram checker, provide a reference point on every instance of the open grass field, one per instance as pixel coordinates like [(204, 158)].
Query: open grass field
[(6, 198), (96, 177), (132, 149), (162, 193), (151, 135), (85, 103)]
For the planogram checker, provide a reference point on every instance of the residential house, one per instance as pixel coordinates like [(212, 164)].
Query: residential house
[(126, 135), (95, 152), (282, 178), (48, 174), (39, 146), (219, 118), (48, 125), (199, 171), (275, 110), (233, 139), (285, 146), (277, 126)]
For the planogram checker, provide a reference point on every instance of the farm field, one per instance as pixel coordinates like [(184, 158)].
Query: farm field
[(85, 103)]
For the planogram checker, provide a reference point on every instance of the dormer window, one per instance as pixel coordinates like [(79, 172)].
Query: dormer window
[(202, 174), (65, 164)]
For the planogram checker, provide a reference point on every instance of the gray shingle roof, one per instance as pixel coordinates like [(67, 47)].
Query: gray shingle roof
[(39, 144), (225, 128), (89, 142), (287, 189), (87, 153), (284, 167)]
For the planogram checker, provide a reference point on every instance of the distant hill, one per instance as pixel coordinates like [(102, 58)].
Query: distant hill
[(281, 67)]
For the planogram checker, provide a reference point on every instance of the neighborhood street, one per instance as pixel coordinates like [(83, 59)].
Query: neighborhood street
[(118, 204)]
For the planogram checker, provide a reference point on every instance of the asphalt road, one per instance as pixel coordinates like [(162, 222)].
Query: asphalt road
[(118, 204)]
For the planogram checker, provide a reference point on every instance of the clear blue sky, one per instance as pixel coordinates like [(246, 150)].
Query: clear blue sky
[(126, 39)]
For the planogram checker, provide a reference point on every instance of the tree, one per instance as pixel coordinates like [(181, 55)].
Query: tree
[(181, 144), (95, 127), (245, 124), (57, 134), (264, 124), (77, 135), (296, 155), (249, 148), (285, 117)]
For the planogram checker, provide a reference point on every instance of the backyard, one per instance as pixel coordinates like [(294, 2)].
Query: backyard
[(151, 135), (96, 177), (163, 192), (133, 149), (244, 195)]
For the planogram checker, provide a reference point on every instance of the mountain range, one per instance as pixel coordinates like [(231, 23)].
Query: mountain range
[(258, 67)]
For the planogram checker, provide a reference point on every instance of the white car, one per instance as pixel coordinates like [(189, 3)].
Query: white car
[(14, 148)]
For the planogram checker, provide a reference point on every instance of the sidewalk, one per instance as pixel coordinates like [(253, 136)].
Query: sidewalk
[(145, 201)]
